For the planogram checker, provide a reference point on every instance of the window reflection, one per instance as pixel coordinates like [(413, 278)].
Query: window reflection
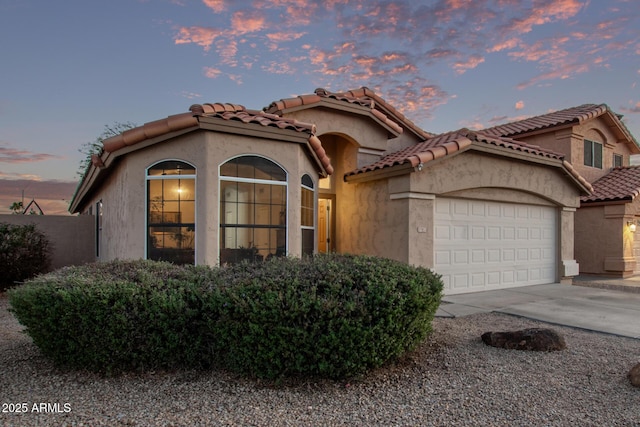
[(171, 212), (253, 210)]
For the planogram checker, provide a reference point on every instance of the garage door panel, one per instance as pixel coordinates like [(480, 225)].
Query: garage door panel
[(481, 245)]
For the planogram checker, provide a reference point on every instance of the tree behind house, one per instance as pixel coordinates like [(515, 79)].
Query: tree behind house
[(95, 147)]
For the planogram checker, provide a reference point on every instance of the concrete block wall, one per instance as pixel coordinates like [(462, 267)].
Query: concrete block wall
[(72, 237)]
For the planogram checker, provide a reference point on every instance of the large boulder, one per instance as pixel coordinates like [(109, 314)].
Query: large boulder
[(634, 375), (534, 339)]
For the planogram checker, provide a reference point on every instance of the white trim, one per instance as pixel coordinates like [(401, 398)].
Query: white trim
[(566, 209), (253, 180), (315, 211), (412, 195)]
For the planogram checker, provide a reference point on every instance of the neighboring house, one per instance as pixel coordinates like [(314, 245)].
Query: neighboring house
[(341, 172), (598, 145)]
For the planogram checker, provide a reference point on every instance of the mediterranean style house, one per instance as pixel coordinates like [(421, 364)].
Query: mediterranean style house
[(347, 172)]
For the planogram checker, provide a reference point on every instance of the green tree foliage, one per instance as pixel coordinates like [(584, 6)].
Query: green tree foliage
[(16, 208), (24, 252), (95, 147)]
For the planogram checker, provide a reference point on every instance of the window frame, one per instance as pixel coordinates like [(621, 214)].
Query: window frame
[(149, 178), (259, 181), (590, 148), (617, 156), (304, 187)]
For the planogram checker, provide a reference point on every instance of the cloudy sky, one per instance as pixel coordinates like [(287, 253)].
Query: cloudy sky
[(68, 68)]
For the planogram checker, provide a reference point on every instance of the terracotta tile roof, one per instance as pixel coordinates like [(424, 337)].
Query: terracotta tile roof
[(448, 143), (622, 183), (229, 112), (568, 116), (364, 97)]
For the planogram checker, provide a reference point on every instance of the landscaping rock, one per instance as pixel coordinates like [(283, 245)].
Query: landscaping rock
[(533, 339), (634, 375)]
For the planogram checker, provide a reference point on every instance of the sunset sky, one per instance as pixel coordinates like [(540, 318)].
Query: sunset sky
[(68, 68)]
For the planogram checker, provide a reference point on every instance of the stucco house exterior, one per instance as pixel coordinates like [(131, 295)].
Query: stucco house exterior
[(341, 172), (598, 145)]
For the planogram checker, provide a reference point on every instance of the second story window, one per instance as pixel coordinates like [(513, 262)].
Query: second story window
[(617, 160), (592, 154)]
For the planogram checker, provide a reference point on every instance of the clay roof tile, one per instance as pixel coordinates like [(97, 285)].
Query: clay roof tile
[(622, 183), (447, 144)]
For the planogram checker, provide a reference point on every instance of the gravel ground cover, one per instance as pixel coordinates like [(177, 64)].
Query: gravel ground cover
[(452, 380)]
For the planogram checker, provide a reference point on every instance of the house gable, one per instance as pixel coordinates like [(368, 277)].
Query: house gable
[(223, 118), (566, 131)]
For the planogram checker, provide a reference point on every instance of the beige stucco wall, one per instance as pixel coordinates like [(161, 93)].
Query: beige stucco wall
[(124, 192), (362, 130), (604, 244), (372, 223), (71, 237), (356, 127), (515, 181), (570, 142)]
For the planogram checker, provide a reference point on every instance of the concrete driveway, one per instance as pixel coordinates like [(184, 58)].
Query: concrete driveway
[(602, 310)]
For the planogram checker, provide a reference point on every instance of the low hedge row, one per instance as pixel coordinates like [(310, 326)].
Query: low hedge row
[(332, 316)]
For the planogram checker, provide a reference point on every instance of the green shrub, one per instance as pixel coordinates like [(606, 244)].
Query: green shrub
[(24, 253), (116, 316), (332, 316)]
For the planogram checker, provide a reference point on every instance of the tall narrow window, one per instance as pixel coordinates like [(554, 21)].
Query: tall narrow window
[(593, 154), (171, 206), (98, 227), (253, 210), (307, 215)]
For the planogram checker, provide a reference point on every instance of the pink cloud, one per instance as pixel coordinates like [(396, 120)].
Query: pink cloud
[(218, 6), (633, 109), (12, 155), (201, 36), (544, 12), (243, 22), (285, 36), (472, 62), (190, 95), (212, 73), (519, 105), (565, 72), (506, 44)]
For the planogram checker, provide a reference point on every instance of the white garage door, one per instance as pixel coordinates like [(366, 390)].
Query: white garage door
[(483, 245)]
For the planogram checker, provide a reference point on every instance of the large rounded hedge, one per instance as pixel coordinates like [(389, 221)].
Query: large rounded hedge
[(332, 316)]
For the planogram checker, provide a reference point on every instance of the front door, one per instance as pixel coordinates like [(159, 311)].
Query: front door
[(325, 224)]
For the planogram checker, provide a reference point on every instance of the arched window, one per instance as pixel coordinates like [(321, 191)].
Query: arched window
[(253, 209), (171, 208), (307, 215)]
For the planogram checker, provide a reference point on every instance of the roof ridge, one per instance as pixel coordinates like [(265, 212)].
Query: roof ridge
[(364, 97), (209, 108), (365, 92), (578, 114)]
